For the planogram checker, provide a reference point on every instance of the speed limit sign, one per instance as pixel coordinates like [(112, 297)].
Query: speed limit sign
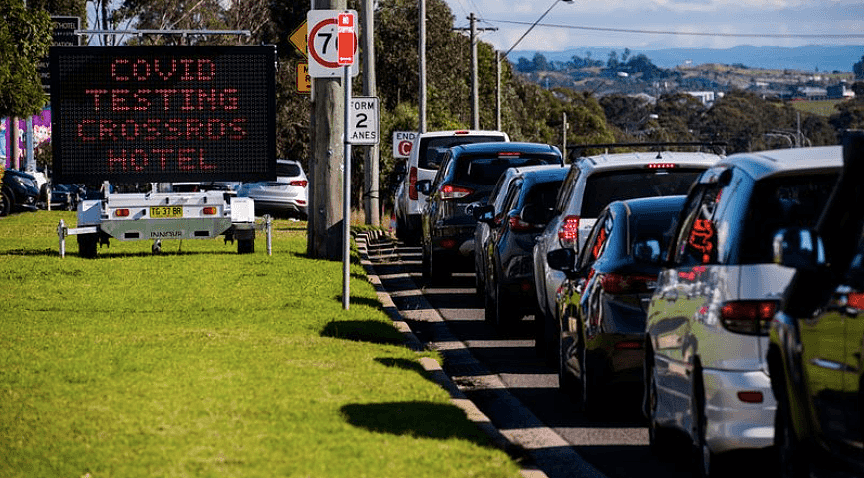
[(323, 46)]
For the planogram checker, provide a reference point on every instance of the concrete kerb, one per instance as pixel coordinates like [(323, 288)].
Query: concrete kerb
[(432, 366)]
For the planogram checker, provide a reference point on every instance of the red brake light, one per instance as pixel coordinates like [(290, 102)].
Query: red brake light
[(661, 165), (627, 284), (751, 397), (568, 232), (463, 131), (449, 191), (628, 345), (412, 183), (209, 211), (509, 154), (748, 316), (518, 225), (121, 212), (300, 182)]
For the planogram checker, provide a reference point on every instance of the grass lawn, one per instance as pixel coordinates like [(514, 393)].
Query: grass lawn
[(201, 362)]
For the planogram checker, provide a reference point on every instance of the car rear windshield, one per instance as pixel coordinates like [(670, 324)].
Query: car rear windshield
[(290, 169), (485, 171), (779, 203), (603, 188), (430, 148)]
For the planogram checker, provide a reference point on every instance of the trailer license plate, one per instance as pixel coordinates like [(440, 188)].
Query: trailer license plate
[(166, 211)]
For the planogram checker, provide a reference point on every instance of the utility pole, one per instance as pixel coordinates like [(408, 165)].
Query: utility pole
[(564, 135), (327, 127), (422, 53), (475, 87), (372, 200)]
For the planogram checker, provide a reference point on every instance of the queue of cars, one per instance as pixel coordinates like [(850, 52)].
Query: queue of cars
[(724, 293)]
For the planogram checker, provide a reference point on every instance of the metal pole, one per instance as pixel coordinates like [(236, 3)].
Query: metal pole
[(30, 161), (422, 52), (475, 89), (346, 196), (372, 197), (497, 90)]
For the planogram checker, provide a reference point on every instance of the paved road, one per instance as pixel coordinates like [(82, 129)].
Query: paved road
[(519, 393)]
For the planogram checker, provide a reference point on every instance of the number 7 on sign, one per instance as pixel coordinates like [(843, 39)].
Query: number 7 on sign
[(323, 44)]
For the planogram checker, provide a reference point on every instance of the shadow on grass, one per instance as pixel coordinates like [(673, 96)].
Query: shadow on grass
[(404, 364), (31, 252), (416, 419), (363, 331)]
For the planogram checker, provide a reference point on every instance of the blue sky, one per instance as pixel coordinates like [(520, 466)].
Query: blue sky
[(687, 23)]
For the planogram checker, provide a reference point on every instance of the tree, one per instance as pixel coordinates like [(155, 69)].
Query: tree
[(858, 69), (25, 35)]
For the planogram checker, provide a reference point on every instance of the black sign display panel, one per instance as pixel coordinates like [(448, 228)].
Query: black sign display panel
[(163, 114)]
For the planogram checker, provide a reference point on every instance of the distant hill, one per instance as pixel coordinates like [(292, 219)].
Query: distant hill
[(804, 58)]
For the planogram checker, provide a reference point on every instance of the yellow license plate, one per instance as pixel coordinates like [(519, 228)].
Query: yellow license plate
[(166, 211)]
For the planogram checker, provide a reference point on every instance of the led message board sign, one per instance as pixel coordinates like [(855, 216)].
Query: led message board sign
[(163, 114)]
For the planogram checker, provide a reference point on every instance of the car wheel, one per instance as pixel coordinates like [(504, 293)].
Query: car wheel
[(659, 438), (400, 229), (505, 310), (792, 456), (546, 342), (425, 267), (5, 203), (567, 383), (438, 272), (87, 245), (489, 309), (704, 461), (592, 398), (245, 246)]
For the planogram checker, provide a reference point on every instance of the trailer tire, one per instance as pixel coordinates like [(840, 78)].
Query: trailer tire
[(245, 246), (87, 245)]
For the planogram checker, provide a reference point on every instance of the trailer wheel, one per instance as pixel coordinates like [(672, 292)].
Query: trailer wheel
[(245, 246), (87, 245)]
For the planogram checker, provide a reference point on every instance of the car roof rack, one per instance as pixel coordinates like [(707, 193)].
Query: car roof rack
[(716, 147)]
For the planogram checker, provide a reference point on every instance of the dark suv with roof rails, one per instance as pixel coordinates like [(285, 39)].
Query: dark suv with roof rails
[(467, 175)]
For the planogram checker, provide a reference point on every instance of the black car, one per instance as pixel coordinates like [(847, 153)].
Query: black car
[(816, 349), (18, 192), (514, 219), (603, 302), (467, 175)]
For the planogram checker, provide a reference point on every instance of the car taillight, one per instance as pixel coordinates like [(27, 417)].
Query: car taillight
[(748, 316), (412, 183), (751, 397), (518, 225), (615, 283), (300, 182), (208, 211), (449, 191), (568, 232), (661, 166), (121, 213)]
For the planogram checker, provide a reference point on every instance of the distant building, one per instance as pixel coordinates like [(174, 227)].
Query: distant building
[(840, 91), (706, 97), (811, 93)]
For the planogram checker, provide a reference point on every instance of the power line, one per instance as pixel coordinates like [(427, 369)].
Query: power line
[(708, 34)]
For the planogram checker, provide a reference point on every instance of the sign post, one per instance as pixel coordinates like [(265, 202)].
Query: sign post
[(345, 57)]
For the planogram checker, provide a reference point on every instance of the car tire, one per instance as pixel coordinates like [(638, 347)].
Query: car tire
[(87, 245), (659, 438), (546, 342), (425, 268), (567, 383), (704, 461), (489, 309), (5, 203), (592, 397), (790, 452), (438, 272), (505, 310)]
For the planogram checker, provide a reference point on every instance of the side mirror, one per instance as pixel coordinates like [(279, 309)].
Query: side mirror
[(647, 251), (798, 248), (563, 260), (484, 213), (536, 214), (424, 186)]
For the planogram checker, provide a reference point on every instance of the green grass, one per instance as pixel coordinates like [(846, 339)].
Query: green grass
[(203, 362), (824, 108)]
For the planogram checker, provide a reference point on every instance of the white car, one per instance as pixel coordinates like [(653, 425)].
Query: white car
[(705, 368), (288, 195), (422, 164)]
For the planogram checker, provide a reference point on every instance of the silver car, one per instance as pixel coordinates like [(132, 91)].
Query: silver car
[(708, 320), (288, 195)]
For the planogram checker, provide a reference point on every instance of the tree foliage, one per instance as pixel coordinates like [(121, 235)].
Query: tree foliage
[(25, 35)]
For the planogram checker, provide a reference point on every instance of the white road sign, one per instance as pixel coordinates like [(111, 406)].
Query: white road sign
[(403, 141), (322, 44), (364, 120)]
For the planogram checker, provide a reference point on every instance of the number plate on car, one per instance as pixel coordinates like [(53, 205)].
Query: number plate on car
[(166, 211)]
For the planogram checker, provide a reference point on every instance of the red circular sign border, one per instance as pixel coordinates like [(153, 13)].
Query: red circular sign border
[(311, 45)]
